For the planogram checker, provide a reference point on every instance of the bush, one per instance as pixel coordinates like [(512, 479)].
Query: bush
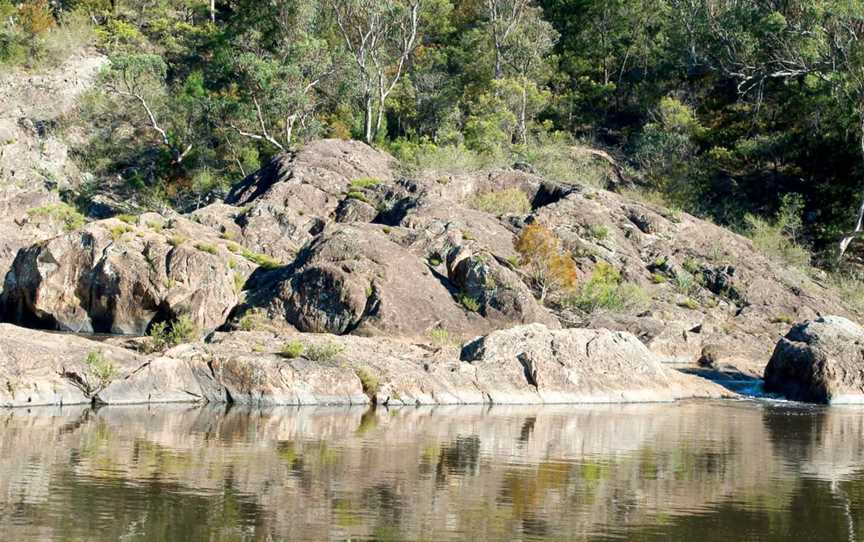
[(773, 240), (206, 247), (598, 232), (292, 349), (100, 368), (261, 260), (605, 291), (360, 196), (427, 157), (557, 157), (364, 183), (469, 303), (441, 337), (502, 202), (548, 267), (165, 335), (369, 382), (60, 212), (251, 320), (324, 352)]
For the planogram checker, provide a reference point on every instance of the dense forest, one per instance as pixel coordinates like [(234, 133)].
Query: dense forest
[(750, 113)]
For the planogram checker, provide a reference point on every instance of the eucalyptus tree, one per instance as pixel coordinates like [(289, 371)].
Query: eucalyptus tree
[(380, 36)]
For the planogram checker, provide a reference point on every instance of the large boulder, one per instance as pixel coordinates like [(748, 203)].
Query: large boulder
[(281, 207), (819, 361), (360, 279), (357, 279), (116, 276), (532, 363)]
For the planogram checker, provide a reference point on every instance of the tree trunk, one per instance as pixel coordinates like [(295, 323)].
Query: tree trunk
[(523, 129), (213, 11), (367, 119)]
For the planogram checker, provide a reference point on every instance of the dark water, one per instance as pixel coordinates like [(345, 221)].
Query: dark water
[(690, 471)]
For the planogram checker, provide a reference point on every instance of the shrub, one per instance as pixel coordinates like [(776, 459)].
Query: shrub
[(292, 349), (689, 303), (598, 232), (502, 202), (164, 335), (100, 368), (261, 260), (365, 182), (119, 231), (206, 247), (359, 196), (427, 157), (368, 381), (440, 337), (324, 352), (132, 220), (770, 239), (548, 267), (251, 320), (605, 291), (469, 303), (59, 212), (176, 240)]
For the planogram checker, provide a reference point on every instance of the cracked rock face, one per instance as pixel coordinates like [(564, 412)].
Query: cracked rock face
[(820, 361), (118, 277)]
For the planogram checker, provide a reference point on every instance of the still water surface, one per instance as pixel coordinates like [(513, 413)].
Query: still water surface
[(705, 471)]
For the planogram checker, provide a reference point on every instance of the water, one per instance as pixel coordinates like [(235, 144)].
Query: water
[(737, 470)]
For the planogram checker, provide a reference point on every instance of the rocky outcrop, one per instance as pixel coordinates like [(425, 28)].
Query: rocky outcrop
[(529, 364), (278, 209), (34, 159), (115, 276), (819, 361)]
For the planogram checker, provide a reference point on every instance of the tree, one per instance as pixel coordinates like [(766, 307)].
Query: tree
[(380, 36), (547, 266), (141, 77)]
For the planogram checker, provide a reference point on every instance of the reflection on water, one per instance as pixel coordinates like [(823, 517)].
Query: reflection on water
[(688, 471)]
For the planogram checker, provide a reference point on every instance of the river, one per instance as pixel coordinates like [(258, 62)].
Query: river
[(696, 470)]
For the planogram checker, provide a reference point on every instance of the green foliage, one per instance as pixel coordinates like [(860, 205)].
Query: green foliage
[(100, 368), (251, 320), (440, 337), (360, 196), (369, 382), (259, 259), (324, 352), (502, 202), (292, 349), (598, 232), (59, 212), (605, 291), (118, 231), (207, 248), (778, 238), (165, 335), (471, 304), (364, 183)]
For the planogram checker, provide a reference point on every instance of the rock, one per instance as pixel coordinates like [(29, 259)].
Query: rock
[(532, 363), (281, 207), (357, 279), (39, 368), (498, 291), (118, 277), (819, 361)]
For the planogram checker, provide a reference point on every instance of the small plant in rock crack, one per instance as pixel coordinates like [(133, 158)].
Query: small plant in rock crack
[(324, 353), (100, 368), (292, 349)]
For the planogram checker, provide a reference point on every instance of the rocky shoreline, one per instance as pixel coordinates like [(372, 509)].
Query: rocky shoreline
[(329, 277)]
